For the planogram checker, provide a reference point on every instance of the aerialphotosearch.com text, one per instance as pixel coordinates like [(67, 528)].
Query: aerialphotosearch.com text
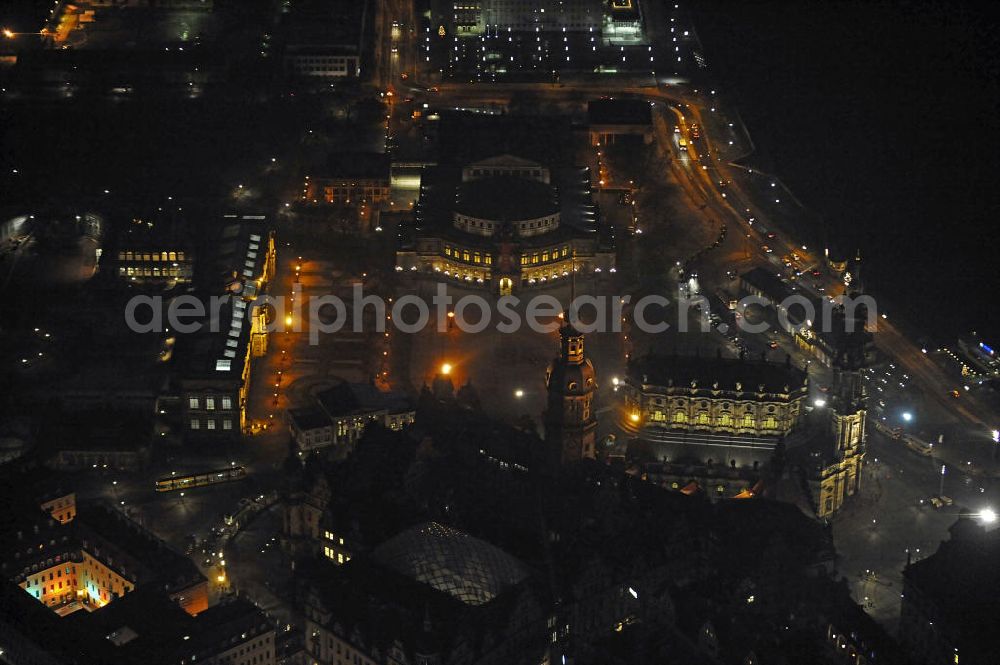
[(473, 313)]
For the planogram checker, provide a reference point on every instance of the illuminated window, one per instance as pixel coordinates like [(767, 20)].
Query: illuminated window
[(195, 423), (227, 424), (725, 419), (748, 420), (545, 256), (211, 423), (489, 260), (210, 403), (193, 402), (173, 256), (227, 403), (702, 418), (770, 423), (680, 417)]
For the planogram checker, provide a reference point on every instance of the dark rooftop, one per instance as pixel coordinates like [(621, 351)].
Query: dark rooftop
[(466, 137), (619, 112), (961, 580), (309, 417), (506, 198), (163, 565), (367, 165), (681, 371), (768, 282), (579, 215), (347, 398)]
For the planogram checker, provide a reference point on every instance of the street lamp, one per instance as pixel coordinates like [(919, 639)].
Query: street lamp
[(988, 515), (446, 368), (907, 416)]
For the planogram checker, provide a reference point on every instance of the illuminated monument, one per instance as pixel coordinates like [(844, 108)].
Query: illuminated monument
[(506, 223), (570, 425)]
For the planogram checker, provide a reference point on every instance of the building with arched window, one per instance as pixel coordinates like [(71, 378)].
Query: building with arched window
[(506, 223), (718, 396), (720, 412)]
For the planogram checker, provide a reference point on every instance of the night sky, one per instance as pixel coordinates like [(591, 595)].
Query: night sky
[(883, 117)]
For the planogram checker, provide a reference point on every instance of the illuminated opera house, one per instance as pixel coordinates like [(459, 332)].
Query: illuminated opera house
[(506, 223)]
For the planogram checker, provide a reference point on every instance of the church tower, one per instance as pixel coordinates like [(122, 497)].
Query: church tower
[(847, 421), (570, 425)]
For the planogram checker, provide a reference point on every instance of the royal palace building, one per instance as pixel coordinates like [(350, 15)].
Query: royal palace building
[(506, 223)]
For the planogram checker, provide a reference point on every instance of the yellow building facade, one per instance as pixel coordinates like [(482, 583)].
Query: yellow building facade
[(719, 396)]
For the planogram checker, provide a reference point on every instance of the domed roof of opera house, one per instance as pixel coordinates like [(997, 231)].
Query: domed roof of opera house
[(506, 199)]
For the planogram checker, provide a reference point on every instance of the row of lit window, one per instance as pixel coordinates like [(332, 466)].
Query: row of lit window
[(323, 59), (154, 272), (226, 403), (70, 584), (702, 404), (468, 257), (150, 256), (723, 420), (371, 190), (466, 223), (503, 171), (339, 557), (53, 575), (314, 68), (544, 257), (227, 424)]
